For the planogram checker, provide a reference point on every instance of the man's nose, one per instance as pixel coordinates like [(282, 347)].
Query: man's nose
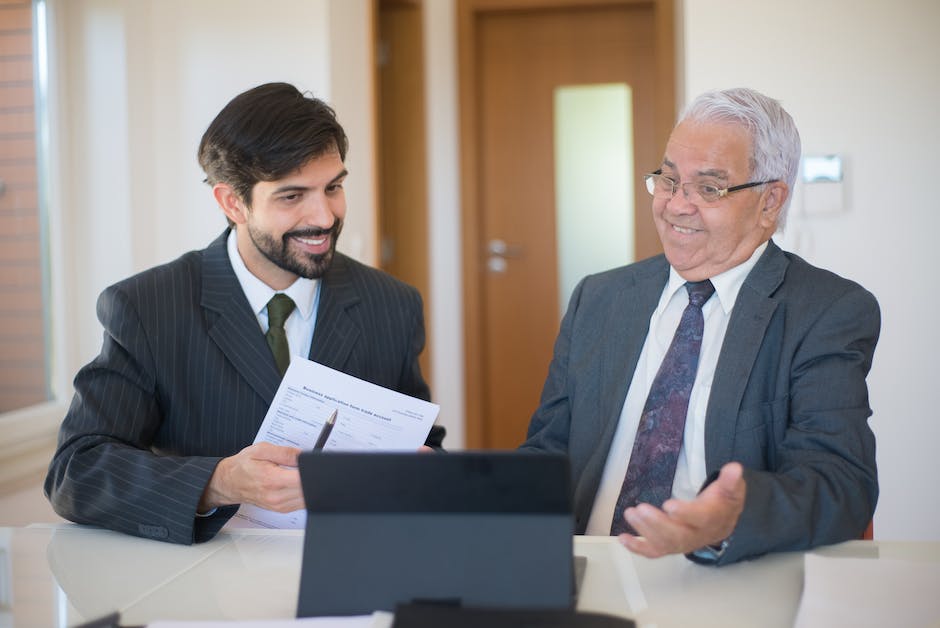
[(681, 200), (318, 213)]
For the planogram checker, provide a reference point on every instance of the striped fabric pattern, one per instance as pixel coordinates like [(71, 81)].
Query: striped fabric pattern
[(185, 377)]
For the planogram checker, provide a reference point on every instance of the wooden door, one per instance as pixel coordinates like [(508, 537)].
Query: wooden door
[(513, 57), (400, 139)]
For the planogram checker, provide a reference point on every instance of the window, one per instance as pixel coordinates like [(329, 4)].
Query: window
[(23, 354), (593, 181)]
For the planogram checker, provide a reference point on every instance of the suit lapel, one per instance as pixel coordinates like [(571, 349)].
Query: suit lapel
[(752, 313), (232, 324), (336, 331), (635, 302)]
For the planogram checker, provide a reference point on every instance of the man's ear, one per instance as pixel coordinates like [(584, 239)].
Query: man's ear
[(773, 198), (230, 202)]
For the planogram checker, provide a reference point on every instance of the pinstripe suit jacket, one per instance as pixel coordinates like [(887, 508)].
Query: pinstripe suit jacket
[(185, 378), (788, 399)]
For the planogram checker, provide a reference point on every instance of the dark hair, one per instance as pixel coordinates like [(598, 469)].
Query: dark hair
[(266, 133)]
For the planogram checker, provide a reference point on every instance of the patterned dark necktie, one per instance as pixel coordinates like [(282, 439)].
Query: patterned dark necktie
[(279, 308), (652, 467)]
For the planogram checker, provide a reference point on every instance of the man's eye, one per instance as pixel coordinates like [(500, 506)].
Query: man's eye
[(334, 187), (708, 190), (290, 197)]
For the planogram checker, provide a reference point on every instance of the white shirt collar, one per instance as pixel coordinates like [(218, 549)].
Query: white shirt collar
[(302, 291), (727, 284)]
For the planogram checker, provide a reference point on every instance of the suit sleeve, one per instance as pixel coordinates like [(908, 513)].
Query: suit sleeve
[(412, 381), (104, 471), (550, 426), (821, 486)]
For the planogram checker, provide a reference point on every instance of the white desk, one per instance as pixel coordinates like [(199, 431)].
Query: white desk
[(64, 575)]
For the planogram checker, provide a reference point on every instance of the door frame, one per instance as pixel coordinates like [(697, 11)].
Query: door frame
[(401, 152), (469, 13)]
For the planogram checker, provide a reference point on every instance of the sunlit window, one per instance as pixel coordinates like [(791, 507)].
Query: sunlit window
[(24, 377), (593, 181)]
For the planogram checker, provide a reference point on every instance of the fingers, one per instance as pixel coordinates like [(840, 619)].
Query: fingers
[(646, 519), (657, 533), (276, 454), (722, 500), (272, 486), (269, 477), (684, 526), (650, 548), (262, 474), (279, 490), (731, 481), (639, 545)]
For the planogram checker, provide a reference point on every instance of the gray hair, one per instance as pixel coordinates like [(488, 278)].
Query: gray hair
[(775, 141)]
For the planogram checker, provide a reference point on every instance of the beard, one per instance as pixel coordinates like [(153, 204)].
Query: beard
[(306, 265)]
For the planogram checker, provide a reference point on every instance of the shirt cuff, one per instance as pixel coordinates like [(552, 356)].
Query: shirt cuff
[(710, 554)]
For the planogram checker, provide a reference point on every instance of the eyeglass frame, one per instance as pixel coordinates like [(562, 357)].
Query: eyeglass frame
[(723, 192)]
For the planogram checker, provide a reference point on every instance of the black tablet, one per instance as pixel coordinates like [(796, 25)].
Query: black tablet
[(479, 529)]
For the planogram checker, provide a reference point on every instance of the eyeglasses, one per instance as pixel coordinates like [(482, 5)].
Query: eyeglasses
[(661, 186)]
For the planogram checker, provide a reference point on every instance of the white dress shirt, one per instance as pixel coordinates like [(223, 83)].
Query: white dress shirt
[(690, 470), (304, 292), (299, 325)]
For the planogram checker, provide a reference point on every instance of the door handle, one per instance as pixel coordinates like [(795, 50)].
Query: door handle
[(498, 252), (501, 249)]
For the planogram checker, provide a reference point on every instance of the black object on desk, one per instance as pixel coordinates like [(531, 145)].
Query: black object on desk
[(111, 620), (436, 615), (479, 529)]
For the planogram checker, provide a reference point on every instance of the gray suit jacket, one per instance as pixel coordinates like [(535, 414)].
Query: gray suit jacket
[(185, 377), (789, 399)]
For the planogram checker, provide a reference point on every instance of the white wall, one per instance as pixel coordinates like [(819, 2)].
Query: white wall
[(446, 302), (137, 83), (144, 78), (861, 79), (352, 94)]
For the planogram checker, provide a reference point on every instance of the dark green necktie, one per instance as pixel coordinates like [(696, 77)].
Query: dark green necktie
[(279, 308)]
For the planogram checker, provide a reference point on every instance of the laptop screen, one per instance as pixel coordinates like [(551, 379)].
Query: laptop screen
[(480, 529)]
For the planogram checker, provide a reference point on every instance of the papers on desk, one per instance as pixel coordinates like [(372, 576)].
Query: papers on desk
[(869, 592), (368, 417)]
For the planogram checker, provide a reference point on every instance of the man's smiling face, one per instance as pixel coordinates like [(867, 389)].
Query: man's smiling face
[(703, 240), (293, 223)]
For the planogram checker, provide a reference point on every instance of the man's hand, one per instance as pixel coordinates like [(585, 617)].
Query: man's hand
[(685, 526), (261, 474)]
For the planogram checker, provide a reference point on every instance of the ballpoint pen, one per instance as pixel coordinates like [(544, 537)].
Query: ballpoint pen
[(325, 432)]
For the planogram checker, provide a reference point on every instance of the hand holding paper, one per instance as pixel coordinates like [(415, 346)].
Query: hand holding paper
[(262, 474), (367, 418)]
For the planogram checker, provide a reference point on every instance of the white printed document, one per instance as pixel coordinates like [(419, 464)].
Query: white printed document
[(368, 418)]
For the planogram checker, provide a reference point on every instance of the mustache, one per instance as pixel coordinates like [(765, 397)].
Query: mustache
[(315, 232)]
